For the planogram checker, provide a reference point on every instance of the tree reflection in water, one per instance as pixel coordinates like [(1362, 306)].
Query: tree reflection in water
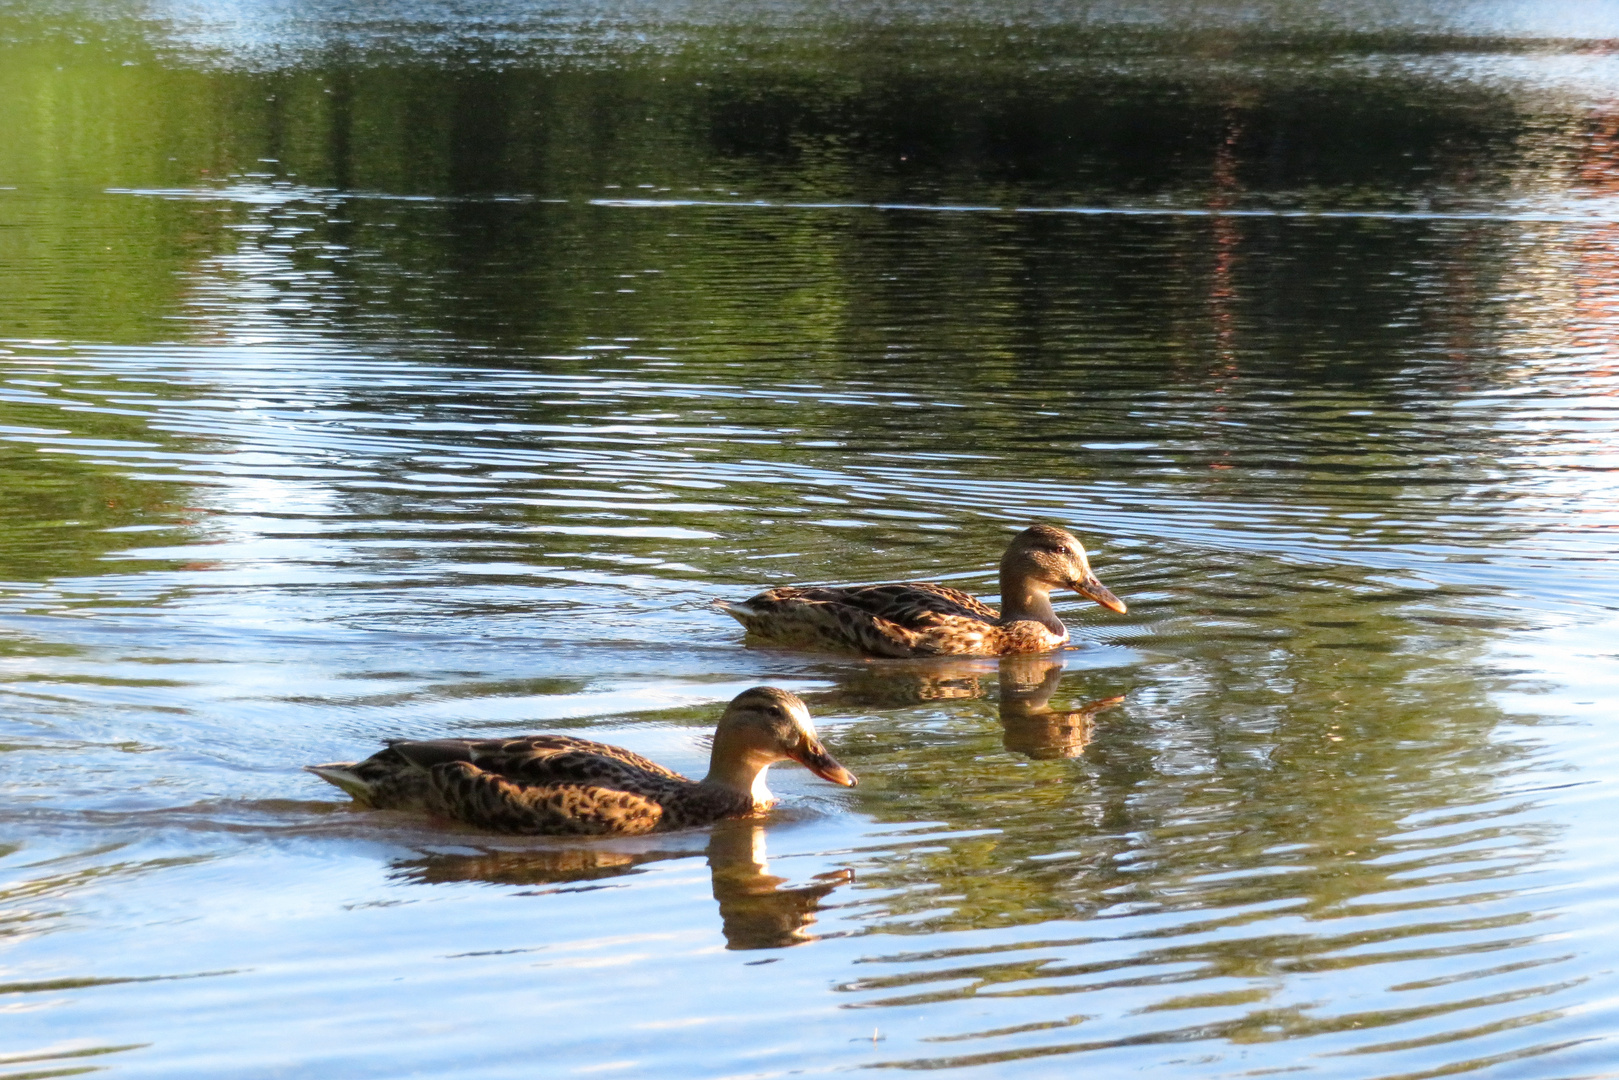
[(756, 910)]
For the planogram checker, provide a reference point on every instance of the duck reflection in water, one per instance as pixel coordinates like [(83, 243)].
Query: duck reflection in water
[(756, 910), (1024, 686), (1031, 726)]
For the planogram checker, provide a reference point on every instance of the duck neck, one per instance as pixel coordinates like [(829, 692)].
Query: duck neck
[(1024, 599), (741, 770)]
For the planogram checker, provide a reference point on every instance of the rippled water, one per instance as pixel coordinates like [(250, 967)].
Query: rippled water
[(428, 372)]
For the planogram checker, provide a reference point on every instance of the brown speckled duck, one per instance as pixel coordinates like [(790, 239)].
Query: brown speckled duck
[(921, 619), (558, 784)]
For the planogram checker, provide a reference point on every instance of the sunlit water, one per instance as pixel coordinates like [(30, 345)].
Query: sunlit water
[(371, 376)]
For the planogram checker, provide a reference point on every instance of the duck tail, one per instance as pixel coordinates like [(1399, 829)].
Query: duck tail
[(341, 774)]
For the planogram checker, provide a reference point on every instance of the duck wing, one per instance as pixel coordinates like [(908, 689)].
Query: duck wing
[(543, 784), (921, 603), (543, 759), (915, 605), (911, 619)]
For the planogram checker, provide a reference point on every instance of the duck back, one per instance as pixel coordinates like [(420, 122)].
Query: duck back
[(903, 620), (539, 784)]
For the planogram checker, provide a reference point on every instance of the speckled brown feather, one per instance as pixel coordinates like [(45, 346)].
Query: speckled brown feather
[(539, 759), (911, 619), (541, 784)]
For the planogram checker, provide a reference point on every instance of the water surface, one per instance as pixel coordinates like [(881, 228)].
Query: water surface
[(370, 374)]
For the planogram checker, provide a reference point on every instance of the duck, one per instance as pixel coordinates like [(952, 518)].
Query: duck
[(561, 785), (923, 619)]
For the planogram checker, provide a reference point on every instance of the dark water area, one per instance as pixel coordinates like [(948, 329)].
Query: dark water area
[(417, 370)]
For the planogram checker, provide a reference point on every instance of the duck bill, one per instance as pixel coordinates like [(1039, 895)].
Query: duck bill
[(1091, 589), (813, 756)]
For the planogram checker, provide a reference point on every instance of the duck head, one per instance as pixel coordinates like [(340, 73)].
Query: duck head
[(760, 727), (1044, 557)]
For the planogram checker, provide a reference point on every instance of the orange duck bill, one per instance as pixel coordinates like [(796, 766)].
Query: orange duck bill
[(1091, 589), (813, 756)]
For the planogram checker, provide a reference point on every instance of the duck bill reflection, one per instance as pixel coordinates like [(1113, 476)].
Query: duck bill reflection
[(1091, 589), (813, 756)]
